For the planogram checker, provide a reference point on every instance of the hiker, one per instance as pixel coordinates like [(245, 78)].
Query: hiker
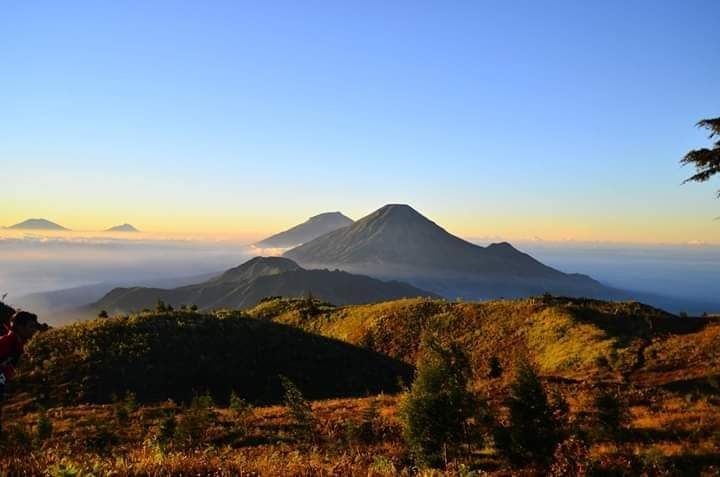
[(22, 327), (6, 314)]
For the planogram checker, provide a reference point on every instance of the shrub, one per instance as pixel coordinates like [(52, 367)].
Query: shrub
[(610, 414), (16, 435), (242, 412), (196, 420), (495, 370), (365, 430), (43, 428), (168, 428), (571, 458), (435, 413), (124, 407), (534, 430), (96, 434), (382, 465), (103, 314), (300, 410)]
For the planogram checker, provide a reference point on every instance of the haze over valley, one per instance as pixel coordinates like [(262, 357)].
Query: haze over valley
[(62, 272)]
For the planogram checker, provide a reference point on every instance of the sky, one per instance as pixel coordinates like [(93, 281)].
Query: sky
[(552, 120)]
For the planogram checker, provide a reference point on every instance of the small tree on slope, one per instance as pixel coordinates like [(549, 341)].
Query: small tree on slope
[(435, 414), (534, 430)]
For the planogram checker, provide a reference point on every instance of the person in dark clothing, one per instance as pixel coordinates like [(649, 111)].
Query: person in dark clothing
[(22, 327), (6, 314)]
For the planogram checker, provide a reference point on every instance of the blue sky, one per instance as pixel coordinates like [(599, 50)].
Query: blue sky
[(514, 119)]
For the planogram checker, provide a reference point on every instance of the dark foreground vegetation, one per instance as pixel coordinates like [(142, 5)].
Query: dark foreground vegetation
[(543, 386)]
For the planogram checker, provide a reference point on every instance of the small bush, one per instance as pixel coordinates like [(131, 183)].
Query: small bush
[(495, 370), (242, 412), (168, 428), (381, 465), (300, 410), (571, 458), (17, 436), (195, 421), (96, 434), (610, 415), (44, 427), (124, 407), (365, 430)]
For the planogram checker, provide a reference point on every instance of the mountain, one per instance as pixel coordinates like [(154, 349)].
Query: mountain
[(37, 224), (398, 242), (122, 228), (249, 283), (311, 229)]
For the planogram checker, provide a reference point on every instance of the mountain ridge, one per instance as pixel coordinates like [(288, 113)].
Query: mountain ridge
[(258, 278), (396, 241)]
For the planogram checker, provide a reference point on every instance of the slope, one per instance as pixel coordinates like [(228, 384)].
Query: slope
[(398, 242), (174, 355), (311, 229)]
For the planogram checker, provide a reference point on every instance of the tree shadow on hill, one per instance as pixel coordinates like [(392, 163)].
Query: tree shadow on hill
[(177, 356), (635, 320)]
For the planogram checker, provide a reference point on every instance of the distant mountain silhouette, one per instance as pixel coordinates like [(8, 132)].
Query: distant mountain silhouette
[(313, 228), (122, 228), (247, 284), (37, 224), (398, 242), (67, 305)]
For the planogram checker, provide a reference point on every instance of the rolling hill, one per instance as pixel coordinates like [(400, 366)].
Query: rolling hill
[(260, 277), (397, 242), (569, 338), (662, 371), (312, 228), (37, 224), (161, 356)]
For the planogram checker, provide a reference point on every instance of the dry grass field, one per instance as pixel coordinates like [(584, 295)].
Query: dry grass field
[(663, 368)]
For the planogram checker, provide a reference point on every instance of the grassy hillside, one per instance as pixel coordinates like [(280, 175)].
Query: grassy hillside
[(664, 368), (174, 355), (566, 337)]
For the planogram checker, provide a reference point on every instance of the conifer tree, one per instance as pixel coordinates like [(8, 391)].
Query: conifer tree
[(534, 430), (300, 411), (705, 160), (435, 413)]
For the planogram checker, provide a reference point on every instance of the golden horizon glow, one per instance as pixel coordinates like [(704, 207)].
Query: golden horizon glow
[(249, 228)]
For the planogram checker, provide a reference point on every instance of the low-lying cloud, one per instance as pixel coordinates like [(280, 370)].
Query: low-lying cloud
[(32, 262)]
